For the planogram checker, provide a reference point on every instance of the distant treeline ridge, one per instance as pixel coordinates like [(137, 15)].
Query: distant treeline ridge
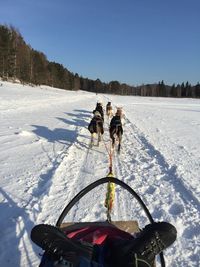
[(19, 61)]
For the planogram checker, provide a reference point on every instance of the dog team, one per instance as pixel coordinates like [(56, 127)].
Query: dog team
[(96, 125)]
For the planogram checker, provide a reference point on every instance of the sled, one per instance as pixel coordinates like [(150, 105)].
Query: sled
[(127, 226)]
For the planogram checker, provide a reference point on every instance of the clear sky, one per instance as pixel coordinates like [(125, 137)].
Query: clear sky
[(132, 41)]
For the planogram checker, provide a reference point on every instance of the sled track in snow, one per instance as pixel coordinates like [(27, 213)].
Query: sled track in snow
[(56, 177), (137, 157), (169, 173), (121, 170), (144, 168), (45, 182), (75, 171), (125, 165)]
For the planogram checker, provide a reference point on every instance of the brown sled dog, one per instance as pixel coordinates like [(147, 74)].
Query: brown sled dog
[(120, 112), (109, 110)]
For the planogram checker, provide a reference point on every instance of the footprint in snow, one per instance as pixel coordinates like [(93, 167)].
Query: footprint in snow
[(157, 214), (191, 231), (176, 209), (150, 190)]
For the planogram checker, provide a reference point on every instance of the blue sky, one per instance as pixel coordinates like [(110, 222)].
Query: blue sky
[(132, 41)]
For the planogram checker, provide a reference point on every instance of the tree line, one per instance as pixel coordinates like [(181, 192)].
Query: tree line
[(19, 61)]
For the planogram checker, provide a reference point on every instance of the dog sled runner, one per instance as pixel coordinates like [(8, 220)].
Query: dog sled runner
[(127, 226)]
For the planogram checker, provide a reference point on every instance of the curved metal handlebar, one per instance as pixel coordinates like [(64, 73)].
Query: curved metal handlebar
[(97, 183)]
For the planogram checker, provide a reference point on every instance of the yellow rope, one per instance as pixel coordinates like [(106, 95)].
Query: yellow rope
[(110, 195)]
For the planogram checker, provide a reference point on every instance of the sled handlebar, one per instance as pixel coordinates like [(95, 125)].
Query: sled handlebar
[(103, 181)]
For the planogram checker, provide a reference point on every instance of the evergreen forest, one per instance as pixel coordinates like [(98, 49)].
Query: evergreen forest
[(20, 62)]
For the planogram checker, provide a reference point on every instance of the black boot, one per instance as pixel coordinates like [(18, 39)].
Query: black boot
[(55, 243), (142, 250)]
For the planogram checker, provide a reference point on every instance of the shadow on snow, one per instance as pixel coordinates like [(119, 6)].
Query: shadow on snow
[(62, 136), (15, 225)]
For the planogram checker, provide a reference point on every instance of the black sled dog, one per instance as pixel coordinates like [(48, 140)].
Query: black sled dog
[(116, 130), (96, 127)]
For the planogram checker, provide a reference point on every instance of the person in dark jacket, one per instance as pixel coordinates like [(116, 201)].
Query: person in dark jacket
[(96, 126), (116, 129)]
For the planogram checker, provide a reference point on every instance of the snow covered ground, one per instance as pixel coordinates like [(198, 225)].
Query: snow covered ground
[(46, 159)]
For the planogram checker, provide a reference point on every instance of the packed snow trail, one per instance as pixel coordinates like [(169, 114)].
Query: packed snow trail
[(142, 167), (46, 160), (147, 171)]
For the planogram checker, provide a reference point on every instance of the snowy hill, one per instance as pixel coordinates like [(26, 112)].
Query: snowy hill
[(46, 159)]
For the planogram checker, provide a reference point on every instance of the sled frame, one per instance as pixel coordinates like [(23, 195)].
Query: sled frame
[(130, 227), (94, 185)]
